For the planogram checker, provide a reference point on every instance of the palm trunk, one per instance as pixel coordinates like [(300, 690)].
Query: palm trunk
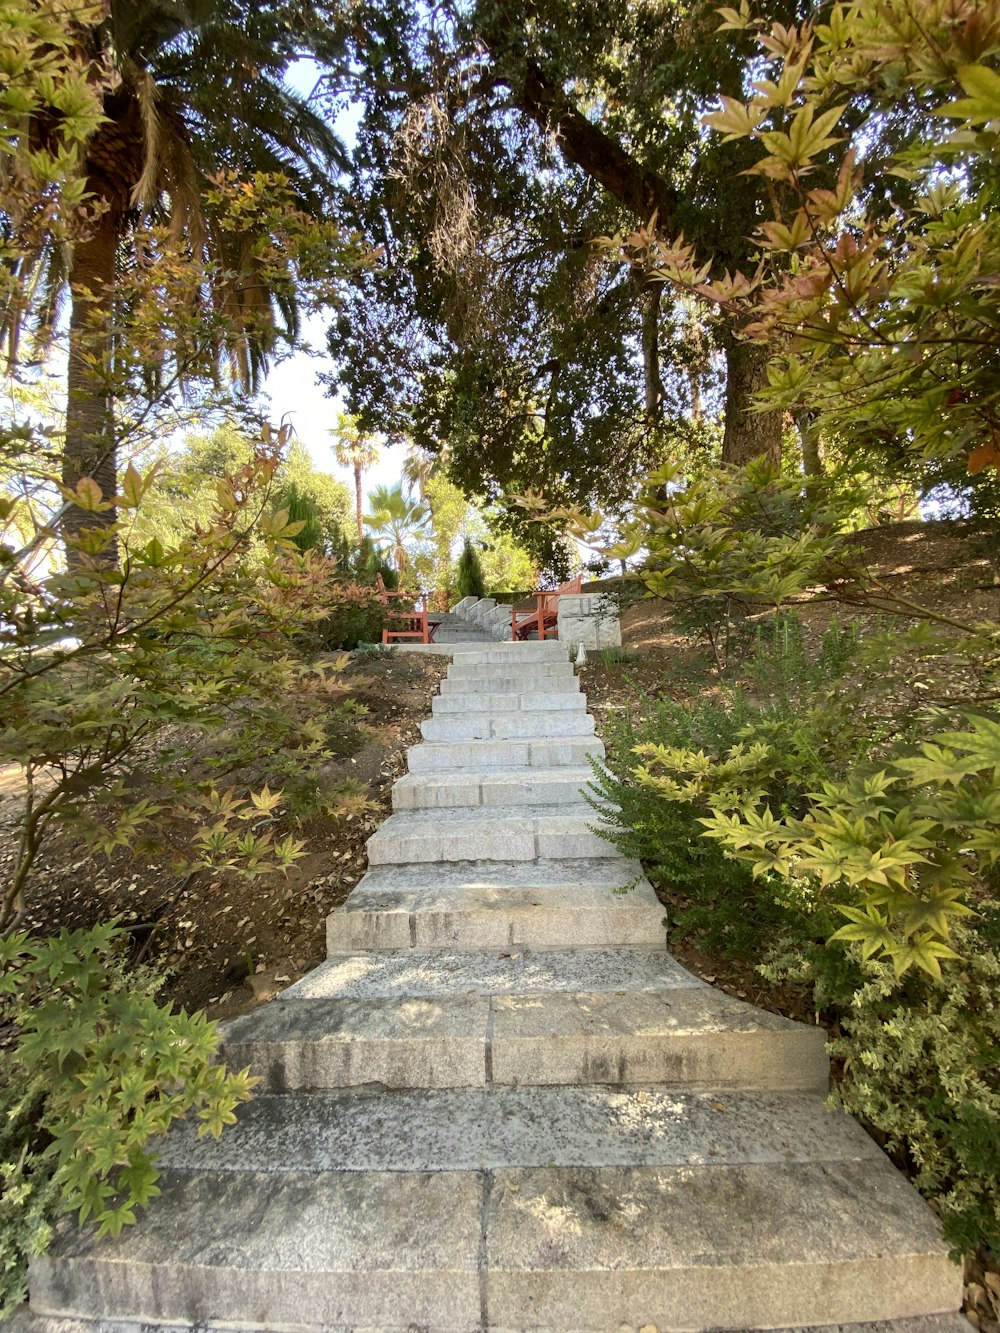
[(748, 434), (89, 450), (357, 501)]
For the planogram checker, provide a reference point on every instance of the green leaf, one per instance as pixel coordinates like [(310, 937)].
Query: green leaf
[(983, 103)]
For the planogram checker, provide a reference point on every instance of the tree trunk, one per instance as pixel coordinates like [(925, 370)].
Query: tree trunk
[(748, 434), (90, 429), (694, 383), (357, 501), (812, 456), (651, 350)]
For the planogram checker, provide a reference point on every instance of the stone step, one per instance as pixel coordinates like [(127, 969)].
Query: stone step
[(537, 786), (681, 1037), (484, 725), (444, 972), (459, 635), (570, 1208), (541, 752), (536, 701), (23, 1321), (517, 655), (554, 680), (488, 833), (499, 905)]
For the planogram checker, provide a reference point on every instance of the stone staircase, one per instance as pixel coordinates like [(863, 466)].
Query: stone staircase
[(501, 1104), (454, 629)]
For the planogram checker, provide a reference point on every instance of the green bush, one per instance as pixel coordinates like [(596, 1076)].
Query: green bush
[(718, 900), (469, 578), (920, 1063), (350, 624), (806, 740), (917, 1060), (98, 1070)]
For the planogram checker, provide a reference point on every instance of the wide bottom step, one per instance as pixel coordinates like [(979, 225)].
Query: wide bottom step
[(549, 1210)]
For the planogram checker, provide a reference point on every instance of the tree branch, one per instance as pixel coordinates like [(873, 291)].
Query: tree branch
[(642, 191)]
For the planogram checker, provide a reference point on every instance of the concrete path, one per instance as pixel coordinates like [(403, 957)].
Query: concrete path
[(502, 1105)]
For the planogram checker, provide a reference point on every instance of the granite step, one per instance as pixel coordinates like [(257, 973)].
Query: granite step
[(490, 725), (516, 655), (366, 975), (531, 701), (529, 752), (489, 833), (536, 1208), (565, 904), (436, 791), (682, 1037), (25, 1322), (543, 678)]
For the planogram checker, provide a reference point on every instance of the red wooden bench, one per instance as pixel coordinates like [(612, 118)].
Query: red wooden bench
[(543, 618), (405, 622)]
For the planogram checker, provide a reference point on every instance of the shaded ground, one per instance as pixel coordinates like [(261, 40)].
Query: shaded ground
[(224, 941)]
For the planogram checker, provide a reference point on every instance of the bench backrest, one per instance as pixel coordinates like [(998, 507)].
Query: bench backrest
[(573, 587)]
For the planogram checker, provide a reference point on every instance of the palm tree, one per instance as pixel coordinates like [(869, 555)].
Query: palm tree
[(419, 467), (189, 89), (357, 451), (397, 518)]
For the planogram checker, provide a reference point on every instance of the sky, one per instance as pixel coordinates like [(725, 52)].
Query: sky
[(295, 395)]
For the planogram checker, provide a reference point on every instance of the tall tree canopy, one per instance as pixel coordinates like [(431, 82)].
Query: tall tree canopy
[(497, 140)]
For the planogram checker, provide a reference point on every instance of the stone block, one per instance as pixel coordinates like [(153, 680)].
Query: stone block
[(507, 726), (726, 1246), (497, 754), (543, 677), (679, 1037), (371, 975), (589, 618), (324, 1044), (271, 1248), (566, 700), (478, 613)]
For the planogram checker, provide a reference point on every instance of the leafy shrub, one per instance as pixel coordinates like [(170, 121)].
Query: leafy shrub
[(168, 645), (360, 618), (917, 1060), (830, 810), (666, 834), (920, 1063), (97, 1071)]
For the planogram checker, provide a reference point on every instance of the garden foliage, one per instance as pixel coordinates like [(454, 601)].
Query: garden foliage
[(797, 822), (97, 1072), (469, 578), (145, 698)]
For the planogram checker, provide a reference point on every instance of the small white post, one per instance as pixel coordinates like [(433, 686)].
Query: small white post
[(581, 656)]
